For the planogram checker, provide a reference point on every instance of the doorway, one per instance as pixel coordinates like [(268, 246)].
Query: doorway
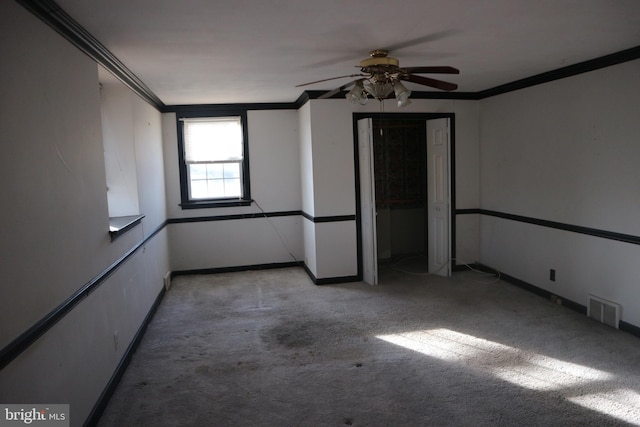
[(404, 186), (400, 181)]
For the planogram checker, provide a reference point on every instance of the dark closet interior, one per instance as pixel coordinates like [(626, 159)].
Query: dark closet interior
[(400, 170)]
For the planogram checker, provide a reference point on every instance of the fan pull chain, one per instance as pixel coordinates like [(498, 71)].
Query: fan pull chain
[(381, 112)]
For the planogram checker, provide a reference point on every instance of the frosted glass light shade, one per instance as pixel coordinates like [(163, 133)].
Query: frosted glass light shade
[(402, 94), (379, 90), (357, 94)]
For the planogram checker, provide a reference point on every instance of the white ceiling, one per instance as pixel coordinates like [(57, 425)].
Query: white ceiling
[(249, 51)]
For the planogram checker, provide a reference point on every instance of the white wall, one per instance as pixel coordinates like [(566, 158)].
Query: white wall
[(274, 159), (52, 170), (55, 237), (306, 158), (467, 186), (334, 192), (330, 247), (119, 147), (307, 187), (566, 151), (333, 172), (234, 243)]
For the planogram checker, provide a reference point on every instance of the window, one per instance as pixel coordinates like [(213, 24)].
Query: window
[(213, 161)]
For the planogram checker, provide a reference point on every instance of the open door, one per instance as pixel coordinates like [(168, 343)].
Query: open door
[(438, 193), (367, 202)]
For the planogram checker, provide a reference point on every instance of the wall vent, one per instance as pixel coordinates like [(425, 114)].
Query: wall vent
[(604, 311)]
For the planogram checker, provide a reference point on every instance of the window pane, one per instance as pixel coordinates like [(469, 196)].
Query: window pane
[(199, 189), (215, 170), (215, 180), (198, 171), (208, 140), (231, 170), (216, 188), (232, 187)]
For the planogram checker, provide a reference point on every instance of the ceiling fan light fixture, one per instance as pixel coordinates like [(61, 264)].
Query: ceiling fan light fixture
[(379, 89), (402, 93), (380, 77), (404, 102), (357, 95)]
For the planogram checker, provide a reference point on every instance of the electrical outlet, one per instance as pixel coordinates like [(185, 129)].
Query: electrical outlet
[(115, 341), (552, 275)]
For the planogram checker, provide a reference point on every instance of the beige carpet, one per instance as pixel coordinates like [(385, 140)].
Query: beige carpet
[(269, 348)]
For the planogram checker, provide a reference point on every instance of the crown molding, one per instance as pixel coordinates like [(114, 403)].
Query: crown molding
[(49, 12), (209, 108), (549, 76), (53, 15), (561, 73)]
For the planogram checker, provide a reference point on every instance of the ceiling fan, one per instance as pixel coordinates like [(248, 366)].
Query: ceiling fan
[(380, 76)]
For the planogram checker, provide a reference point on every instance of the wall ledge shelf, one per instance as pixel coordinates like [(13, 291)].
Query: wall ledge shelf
[(118, 225)]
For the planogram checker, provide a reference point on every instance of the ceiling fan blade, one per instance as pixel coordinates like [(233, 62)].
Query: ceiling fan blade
[(419, 40), (438, 84), (330, 78), (333, 61), (338, 89), (432, 70), (352, 31)]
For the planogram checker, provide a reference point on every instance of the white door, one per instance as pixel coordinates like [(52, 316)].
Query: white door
[(367, 202), (438, 203)]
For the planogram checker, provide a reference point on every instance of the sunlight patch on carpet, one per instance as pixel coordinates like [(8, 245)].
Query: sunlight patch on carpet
[(623, 404), (520, 367)]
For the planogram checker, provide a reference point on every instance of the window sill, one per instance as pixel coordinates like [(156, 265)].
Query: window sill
[(118, 225), (214, 204)]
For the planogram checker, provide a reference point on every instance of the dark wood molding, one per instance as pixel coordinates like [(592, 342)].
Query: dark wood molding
[(627, 238), (329, 280), (233, 217), (302, 99), (206, 204), (624, 326), (16, 347), (467, 211), (334, 218), (336, 280), (53, 15), (561, 73), (31, 335), (252, 267), (628, 327), (221, 109), (533, 289), (252, 215), (101, 404), (210, 111), (315, 94)]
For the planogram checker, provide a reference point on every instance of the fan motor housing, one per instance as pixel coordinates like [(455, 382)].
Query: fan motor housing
[(379, 62), (385, 61)]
